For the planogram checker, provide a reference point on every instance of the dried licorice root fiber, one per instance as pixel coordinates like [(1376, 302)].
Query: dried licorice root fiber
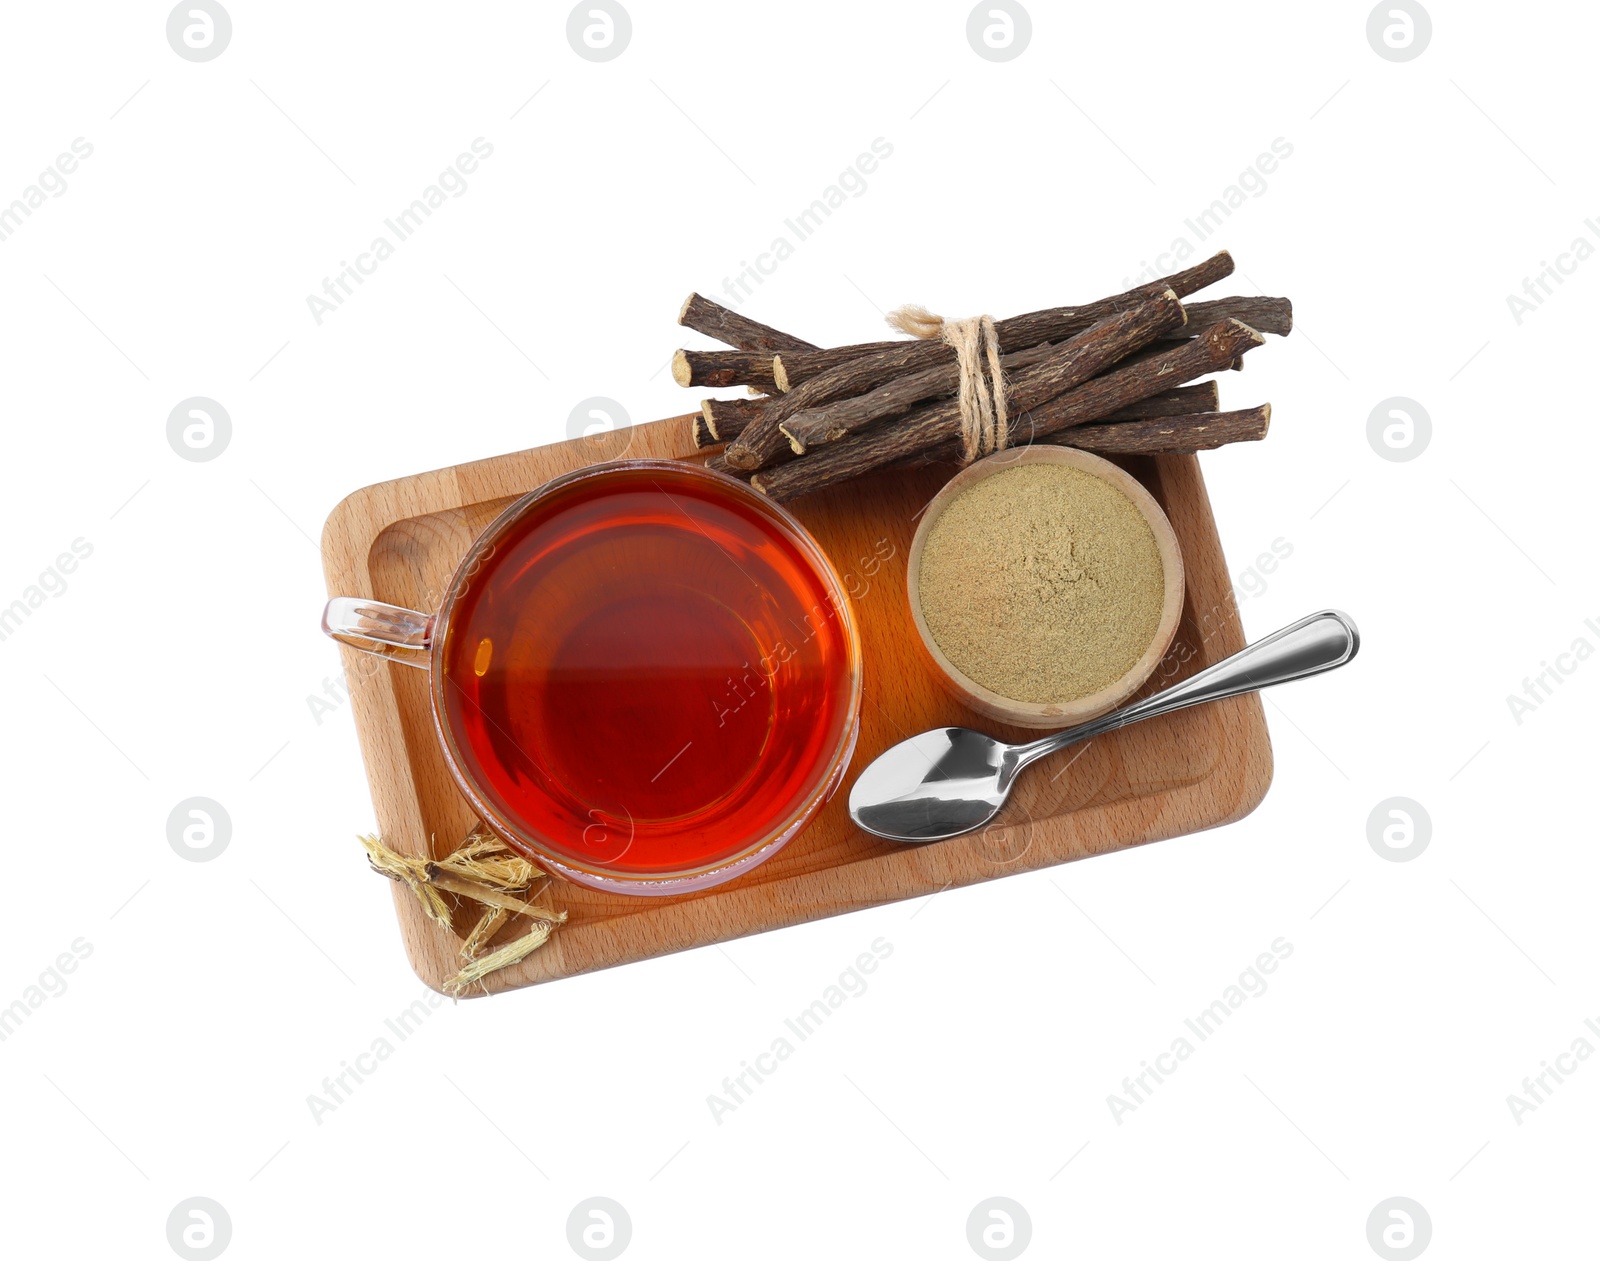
[(1042, 583)]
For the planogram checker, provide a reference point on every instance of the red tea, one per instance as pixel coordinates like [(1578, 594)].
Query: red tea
[(648, 672)]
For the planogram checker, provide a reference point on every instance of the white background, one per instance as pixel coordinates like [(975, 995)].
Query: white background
[(179, 658)]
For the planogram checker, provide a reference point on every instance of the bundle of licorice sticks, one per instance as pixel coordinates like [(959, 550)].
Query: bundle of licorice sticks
[(1117, 377)]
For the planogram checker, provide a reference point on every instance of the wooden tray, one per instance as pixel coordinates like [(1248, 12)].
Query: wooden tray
[(400, 541)]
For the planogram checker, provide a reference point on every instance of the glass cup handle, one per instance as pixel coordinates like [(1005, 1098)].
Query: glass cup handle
[(384, 630)]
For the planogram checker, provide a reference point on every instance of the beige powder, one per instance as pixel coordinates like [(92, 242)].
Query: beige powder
[(1042, 583)]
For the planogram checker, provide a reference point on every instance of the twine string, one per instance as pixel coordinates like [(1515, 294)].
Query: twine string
[(981, 391)]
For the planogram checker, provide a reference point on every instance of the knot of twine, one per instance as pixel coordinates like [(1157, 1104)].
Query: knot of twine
[(982, 389)]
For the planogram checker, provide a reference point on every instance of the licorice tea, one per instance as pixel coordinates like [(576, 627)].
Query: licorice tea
[(650, 672)]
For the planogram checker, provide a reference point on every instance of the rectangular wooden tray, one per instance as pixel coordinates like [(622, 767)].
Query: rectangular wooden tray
[(400, 541)]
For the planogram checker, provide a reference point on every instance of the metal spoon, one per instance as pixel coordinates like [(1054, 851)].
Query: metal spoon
[(953, 779)]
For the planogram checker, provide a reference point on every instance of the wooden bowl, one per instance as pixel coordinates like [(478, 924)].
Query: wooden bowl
[(1066, 713)]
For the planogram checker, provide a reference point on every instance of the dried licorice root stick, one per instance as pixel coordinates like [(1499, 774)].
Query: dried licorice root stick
[(716, 368), (1170, 435), (1162, 347), (815, 378), (489, 923), (1265, 315), (732, 329), (1186, 400), (819, 425), (725, 418), (912, 435), (493, 897), (1076, 361), (719, 464), (512, 952), (1049, 325)]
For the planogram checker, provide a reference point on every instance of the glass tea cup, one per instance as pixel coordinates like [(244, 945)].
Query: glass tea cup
[(644, 675)]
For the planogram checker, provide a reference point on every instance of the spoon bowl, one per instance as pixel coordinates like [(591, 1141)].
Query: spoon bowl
[(953, 780), (937, 785)]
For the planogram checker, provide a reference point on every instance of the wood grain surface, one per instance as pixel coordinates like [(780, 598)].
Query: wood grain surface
[(400, 541)]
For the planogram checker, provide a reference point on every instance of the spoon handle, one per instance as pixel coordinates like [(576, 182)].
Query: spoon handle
[(1323, 641)]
